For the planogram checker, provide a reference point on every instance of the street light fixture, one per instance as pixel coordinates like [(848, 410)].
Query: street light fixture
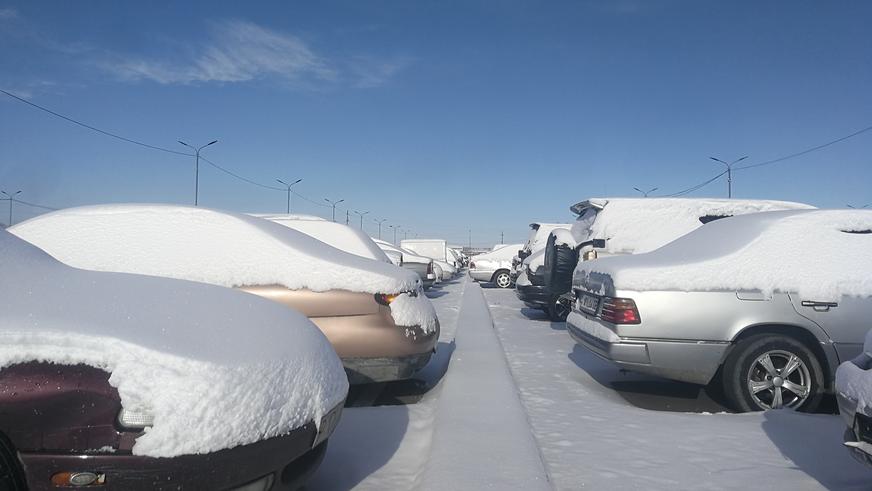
[(859, 207), (197, 167), (361, 214), (379, 222), (334, 203), (646, 193), (289, 186), (11, 198), (729, 173)]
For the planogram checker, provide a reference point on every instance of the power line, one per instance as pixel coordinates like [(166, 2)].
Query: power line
[(98, 130), (812, 149), (694, 188), (34, 205)]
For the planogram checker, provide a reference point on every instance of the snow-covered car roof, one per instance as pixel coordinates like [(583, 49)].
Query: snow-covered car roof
[(504, 253), (820, 254), (211, 246), (338, 235), (216, 367), (635, 225)]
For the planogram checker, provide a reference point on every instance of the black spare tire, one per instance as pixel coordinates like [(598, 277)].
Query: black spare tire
[(560, 262)]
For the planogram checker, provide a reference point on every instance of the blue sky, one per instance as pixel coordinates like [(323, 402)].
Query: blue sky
[(439, 116)]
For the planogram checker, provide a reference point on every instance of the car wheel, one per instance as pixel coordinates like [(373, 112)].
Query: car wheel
[(10, 475), (771, 371), (502, 279), (558, 309)]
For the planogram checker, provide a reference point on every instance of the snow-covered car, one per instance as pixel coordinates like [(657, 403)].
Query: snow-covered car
[(374, 313), (773, 301), (129, 382), (617, 226), (854, 395), (495, 266), (535, 241), (421, 265), (338, 235)]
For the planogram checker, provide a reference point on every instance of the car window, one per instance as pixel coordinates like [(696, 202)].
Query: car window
[(710, 218)]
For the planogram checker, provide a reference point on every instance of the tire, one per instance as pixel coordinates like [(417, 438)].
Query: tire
[(502, 279), (558, 310), (801, 389), (11, 476)]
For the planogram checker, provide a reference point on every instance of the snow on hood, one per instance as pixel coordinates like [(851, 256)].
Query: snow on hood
[(211, 246), (636, 225), (820, 254), (340, 236), (216, 367), (408, 256)]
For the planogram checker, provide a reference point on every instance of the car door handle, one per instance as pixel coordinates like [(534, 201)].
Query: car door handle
[(819, 306)]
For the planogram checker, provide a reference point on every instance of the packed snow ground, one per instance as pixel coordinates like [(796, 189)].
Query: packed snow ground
[(527, 409)]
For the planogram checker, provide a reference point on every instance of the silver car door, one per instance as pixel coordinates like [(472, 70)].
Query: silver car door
[(846, 321)]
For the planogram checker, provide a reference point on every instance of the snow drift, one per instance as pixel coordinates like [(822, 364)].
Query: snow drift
[(340, 236), (216, 367)]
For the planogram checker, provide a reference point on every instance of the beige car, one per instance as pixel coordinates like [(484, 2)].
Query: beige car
[(374, 313)]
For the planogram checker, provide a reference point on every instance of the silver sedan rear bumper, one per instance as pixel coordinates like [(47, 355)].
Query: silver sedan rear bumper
[(687, 361)]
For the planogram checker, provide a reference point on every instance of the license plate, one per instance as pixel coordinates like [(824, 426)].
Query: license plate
[(588, 303), (328, 424)]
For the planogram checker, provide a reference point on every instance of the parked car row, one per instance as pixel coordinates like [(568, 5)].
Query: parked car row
[(156, 346), (769, 300)]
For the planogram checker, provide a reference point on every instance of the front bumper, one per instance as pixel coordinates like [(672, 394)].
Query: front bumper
[(858, 434), (287, 461), (690, 361), (533, 296), (369, 370)]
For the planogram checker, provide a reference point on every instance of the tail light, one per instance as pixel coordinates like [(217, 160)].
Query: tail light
[(620, 311)]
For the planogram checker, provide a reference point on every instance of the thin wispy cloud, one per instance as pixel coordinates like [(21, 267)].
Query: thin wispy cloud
[(8, 14), (370, 72), (237, 51)]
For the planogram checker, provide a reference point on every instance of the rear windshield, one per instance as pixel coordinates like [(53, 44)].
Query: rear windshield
[(711, 218)]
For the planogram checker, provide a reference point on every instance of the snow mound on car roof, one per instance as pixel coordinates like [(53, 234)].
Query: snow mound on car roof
[(210, 246), (340, 236), (819, 254), (497, 258), (216, 367), (636, 225)]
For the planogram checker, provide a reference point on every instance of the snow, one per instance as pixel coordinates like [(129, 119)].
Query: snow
[(497, 259), (536, 260), (808, 252), (216, 247), (216, 367), (636, 225), (408, 256), (340, 236), (539, 232)]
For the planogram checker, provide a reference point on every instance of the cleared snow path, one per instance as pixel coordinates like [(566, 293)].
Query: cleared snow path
[(386, 447), (591, 437), (481, 437)]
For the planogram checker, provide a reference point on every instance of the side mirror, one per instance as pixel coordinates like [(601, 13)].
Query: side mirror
[(598, 243)]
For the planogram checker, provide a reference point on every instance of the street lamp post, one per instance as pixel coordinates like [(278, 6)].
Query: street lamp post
[(646, 193), (379, 222), (197, 167), (360, 214), (11, 198), (334, 203), (289, 191), (394, 227), (729, 173)]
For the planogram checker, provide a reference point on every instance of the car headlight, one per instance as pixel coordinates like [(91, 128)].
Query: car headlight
[(135, 420)]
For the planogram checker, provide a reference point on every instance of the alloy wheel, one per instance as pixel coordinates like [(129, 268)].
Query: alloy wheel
[(779, 379), (503, 280)]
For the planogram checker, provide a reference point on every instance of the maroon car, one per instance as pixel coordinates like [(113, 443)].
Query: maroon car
[(62, 423)]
